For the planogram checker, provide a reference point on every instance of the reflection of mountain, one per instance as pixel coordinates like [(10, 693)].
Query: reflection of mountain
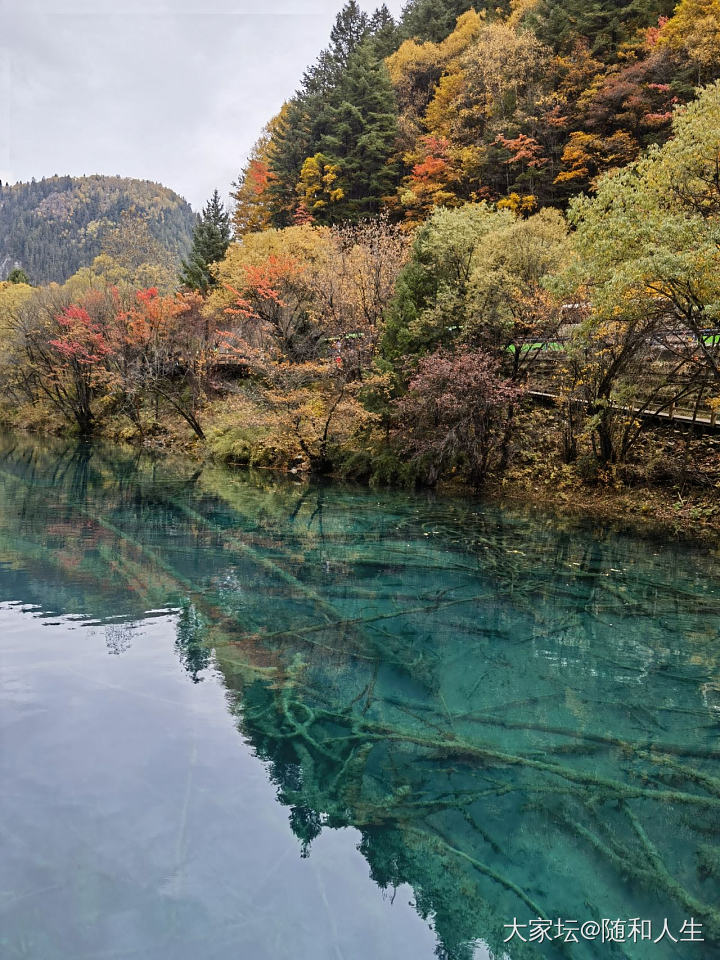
[(516, 717)]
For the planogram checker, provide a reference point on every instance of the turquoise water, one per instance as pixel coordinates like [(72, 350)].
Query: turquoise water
[(246, 717)]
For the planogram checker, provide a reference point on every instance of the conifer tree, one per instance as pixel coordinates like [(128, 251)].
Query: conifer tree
[(604, 24), (211, 238), (18, 275), (304, 117), (350, 27), (383, 34), (434, 19), (360, 131)]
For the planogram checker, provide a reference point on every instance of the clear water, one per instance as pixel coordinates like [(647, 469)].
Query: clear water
[(245, 717)]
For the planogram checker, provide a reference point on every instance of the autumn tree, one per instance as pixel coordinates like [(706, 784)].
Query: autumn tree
[(492, 80), (163, 356), (436, 177), (319, 187), (693, 35), (647, 264), (588, 156), (453, 415), (59, 352), (431, 306), (303, 289), (511, 312), (651, 233), (303, 308), (13, 297), (253, 206), (416, 67), (131, 255)]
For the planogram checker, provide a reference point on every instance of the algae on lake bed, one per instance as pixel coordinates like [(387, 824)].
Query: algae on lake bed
[(518, 715)]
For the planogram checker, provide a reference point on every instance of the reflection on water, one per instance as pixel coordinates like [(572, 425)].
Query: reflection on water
[(516, 717)]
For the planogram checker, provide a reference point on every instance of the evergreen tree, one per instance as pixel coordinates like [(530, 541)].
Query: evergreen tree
[(435, 19), (383, 33), (360, 133), (291, 144), (211, 238), (350, 28), (302, 124), (605, 24), (18, 276)]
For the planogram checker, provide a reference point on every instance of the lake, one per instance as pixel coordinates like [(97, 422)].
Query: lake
[(247, 717)]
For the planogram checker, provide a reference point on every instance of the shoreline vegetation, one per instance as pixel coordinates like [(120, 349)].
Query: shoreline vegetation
[(685, 513), (454, 216)]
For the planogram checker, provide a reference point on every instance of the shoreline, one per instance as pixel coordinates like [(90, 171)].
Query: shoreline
[(641, 510)]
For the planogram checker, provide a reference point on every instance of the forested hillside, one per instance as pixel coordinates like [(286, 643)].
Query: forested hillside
[(526, 103), (53, 227)]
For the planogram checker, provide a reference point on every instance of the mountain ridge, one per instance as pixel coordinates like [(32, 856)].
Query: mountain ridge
[(54, 226)]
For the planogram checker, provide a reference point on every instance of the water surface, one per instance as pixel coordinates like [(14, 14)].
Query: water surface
[(245, 717)]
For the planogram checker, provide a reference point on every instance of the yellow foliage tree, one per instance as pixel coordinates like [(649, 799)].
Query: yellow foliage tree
[(693, 32), (319, 185), (252, 203)]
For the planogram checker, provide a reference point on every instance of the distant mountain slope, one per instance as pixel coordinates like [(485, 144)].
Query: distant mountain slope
[(53, 227)]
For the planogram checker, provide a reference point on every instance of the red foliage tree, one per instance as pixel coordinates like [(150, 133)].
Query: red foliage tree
[(455, 414)]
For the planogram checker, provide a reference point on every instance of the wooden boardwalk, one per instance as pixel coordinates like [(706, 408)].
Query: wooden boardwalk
[(705, 422)]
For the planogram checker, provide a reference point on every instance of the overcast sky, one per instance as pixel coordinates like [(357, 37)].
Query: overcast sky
[(170, 90)]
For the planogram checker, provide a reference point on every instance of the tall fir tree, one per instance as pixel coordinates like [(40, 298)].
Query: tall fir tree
[(211, 238), (301, 131), (360, 129), (434, 19), (349, 29), (605, 24)]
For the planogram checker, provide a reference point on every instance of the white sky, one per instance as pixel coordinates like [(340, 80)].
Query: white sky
[(170, 90)]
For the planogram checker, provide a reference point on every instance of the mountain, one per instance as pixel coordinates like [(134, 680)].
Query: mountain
[(54, 226)]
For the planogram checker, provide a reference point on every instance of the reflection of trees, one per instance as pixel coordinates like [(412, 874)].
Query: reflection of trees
[(437, 799), (190, 641), (118, 638), (510, 711)]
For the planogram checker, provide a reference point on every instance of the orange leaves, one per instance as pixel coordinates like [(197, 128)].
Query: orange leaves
[(151, 316), (652, 34), (435, 176), (523, 149), (434, 165), (262, 283), (258, 176), (252, 190), (586, 156)]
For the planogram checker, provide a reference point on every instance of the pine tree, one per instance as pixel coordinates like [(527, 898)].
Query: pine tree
[(383, 33), (304, 117), (360, 129), (605, 24), (350, 28), (434, 19), (211, 238), (18, 275)]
